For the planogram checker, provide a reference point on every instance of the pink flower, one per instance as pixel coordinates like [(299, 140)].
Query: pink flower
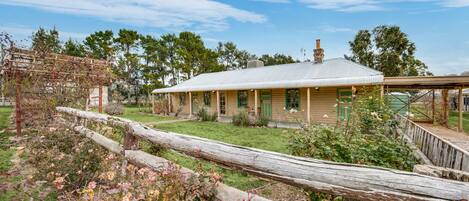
[(58, 182), (125, 185), (92, 185)]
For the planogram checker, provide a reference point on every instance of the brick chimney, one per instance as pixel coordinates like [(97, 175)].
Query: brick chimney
[(318, 55)]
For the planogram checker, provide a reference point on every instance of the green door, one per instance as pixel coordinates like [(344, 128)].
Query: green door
[(266, 103), (344, 104)]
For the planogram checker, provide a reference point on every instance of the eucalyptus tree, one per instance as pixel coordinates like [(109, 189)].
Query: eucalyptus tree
[(389, 50)]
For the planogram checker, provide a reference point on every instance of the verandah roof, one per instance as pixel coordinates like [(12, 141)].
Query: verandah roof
[(332, 72)]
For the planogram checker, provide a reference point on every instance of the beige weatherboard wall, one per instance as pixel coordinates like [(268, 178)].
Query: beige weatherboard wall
[(320, 81)]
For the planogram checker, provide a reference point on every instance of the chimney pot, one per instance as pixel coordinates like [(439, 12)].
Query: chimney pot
[(255, 63), (318, 55)]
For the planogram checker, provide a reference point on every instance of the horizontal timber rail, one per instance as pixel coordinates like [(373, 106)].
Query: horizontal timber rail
[(143, 159), (349, 180), (439, 151)]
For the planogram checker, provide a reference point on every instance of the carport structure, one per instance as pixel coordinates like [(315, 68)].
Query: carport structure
[(431, 86)]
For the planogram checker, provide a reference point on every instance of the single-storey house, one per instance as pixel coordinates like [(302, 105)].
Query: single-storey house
[(318, 91)]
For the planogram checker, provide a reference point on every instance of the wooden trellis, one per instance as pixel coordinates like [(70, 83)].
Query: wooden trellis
[(40, 81)]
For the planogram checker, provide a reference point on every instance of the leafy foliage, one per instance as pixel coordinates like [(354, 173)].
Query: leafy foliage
[(276, 59), (203, 115), (46, 41), (365, 140), (262, 121), (241, 119), (387, 49), (74, 48)]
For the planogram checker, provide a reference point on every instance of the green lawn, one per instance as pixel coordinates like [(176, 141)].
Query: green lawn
[(272, 139), (5, 152), (454, 118), (134, 113), (262, 138), (5, 155)]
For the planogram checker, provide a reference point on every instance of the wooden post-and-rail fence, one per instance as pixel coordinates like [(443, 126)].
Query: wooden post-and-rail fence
[(348, 180), (439, 151)]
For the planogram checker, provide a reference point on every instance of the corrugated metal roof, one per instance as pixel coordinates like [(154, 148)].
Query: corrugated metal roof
[(332, 72)]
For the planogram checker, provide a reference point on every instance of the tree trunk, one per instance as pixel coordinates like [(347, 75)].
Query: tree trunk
[(349, 180)]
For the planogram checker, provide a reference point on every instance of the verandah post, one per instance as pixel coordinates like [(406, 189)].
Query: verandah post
[(100, 96), (218, 104), (190, 104), (308, 105), (255, 102), (460, 106), (18, 103)]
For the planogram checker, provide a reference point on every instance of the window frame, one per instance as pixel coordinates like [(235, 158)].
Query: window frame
[(287, 94), (238, 99)]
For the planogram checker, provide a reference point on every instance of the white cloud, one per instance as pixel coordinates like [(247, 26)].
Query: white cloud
[(373, 5), (24, 32), (455, 3), (344, 5), (332, 29), (174, 14), (273, 1)]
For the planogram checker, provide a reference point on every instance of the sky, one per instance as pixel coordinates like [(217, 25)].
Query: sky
[(440, 29)]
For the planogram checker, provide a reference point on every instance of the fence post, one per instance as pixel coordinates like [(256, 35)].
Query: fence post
[(130, 143)]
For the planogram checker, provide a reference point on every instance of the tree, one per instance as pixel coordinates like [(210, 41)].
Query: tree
[(74, 48), (100, 44), (168, 49), (228, 55), (153, 69), (231, 58), (276, 59), (190, 49), (387, 49), (128, 68), (46, 41)]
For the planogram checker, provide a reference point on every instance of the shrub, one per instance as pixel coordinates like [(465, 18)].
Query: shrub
[(262, 121), (203, 115), (241, 119), (80, 169), (329, 143), (366, 139), (114, 109), (371, 114)]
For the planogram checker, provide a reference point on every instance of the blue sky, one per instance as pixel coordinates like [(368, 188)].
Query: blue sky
[(440, 29)]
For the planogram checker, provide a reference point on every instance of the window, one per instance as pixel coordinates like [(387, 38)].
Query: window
[(207, 98), (242, 98), (182, 99), (292, 99)]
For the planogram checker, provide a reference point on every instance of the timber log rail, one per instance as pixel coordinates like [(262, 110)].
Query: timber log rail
[(439, 151), (349, 180)]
